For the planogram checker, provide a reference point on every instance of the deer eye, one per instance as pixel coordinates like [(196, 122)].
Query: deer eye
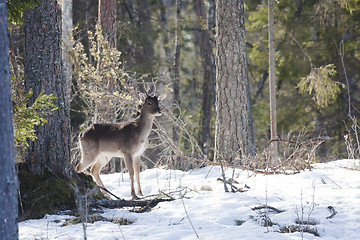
[(149, 103)]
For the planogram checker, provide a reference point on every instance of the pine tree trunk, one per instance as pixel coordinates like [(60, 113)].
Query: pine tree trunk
[(234, 134), (107, 20), (44, 72), (203, 41), (8, 181)]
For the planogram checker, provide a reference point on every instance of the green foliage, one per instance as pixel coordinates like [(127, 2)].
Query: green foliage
[(319, 84), (306, 34), (17, 7), (27, 117), (101, 78)]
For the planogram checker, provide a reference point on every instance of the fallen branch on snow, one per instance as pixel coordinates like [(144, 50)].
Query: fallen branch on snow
[(267, 207), (145, 205), (333, 212)]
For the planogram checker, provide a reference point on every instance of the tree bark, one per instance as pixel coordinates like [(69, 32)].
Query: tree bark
[(234, 134), (8, 180), (272, 85), (107, 20), (43, 71)]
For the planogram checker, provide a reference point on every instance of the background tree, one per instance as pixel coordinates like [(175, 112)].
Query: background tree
[(208, 64), (272, 84), (8, 180), (306, 33), (234, 134), (107, 23), (107, 20), (175, 71), (44, 72)]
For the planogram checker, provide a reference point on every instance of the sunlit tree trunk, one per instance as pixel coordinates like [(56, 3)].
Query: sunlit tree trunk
[(44, 72), (234, 134), (8, 180), (272, 85), (67, 27)]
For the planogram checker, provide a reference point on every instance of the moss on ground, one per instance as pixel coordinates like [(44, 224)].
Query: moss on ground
[(48, 194)]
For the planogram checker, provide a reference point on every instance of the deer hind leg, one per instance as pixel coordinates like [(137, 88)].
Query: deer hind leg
[(88, 156), (87, 159), (130, 167), (137, 174), (96, 169)]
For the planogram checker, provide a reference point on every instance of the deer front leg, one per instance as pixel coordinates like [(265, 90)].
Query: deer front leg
[(137, 174), (130, 167)]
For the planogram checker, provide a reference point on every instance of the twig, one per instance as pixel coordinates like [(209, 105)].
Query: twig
[(109, 192), (223, 174), (305, 143), (341, 52), (187, 215)]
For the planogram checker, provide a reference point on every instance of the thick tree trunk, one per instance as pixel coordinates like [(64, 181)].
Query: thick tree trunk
[(107, 20), (44, 72), (203, 41), (8, 181), (272, 85), (234, 134)]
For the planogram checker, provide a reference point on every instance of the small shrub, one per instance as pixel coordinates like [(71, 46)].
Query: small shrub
[(206, 188)]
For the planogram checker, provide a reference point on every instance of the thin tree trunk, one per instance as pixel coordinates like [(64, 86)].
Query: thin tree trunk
[(8, 181), (44, 72), (67, 27), (176, 64), (272, 85), (211, 29), (234, 134), (203, 41), (165, 28)]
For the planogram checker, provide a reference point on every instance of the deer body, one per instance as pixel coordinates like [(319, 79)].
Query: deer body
[(100, 142)]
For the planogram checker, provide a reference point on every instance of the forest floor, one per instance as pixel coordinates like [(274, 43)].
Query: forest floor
[(323, 203)]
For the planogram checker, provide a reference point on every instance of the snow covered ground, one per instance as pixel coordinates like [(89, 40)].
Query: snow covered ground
[(215, 214)]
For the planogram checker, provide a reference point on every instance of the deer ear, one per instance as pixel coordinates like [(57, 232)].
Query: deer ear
[(161, 97)]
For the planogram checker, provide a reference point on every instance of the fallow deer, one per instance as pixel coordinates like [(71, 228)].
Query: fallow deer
[(100, 142)]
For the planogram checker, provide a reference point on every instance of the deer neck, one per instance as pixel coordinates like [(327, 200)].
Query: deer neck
[(145, 123)]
